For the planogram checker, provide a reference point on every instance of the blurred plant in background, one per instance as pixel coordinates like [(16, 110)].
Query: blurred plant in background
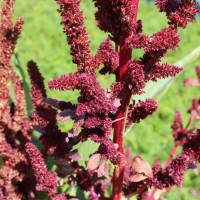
[(98, 111)]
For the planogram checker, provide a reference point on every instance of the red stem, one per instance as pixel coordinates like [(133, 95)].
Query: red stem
[(118, 127), (124, 57), (169, 160)]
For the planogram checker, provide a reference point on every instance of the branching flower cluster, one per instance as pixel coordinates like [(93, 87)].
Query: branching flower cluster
[(101, 115)]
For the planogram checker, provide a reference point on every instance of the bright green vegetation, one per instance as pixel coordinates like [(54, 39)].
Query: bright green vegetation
[(43, 41)]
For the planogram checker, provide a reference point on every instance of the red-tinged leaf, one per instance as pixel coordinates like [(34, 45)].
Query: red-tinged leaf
[(136, 177), (195, 109), (66, 115), (52, 102), (77, 124), (74, 155), (65, 168), (141, 167), (191, 82), (103, 169), (93, 162), (38, 129)]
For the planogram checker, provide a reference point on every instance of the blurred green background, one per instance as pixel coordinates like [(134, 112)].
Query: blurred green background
[(43, 41)]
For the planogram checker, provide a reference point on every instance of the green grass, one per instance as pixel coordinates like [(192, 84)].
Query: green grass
[(43, 41)]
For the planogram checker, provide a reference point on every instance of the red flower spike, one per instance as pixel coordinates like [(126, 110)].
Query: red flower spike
[(77, 38), (20, 112), (93, 98), (9, 33), (65, 82), (107, 56), (137, 41), (108, 149), (167, 38), (159, 71), (172, 175), (116, 17), (192, 147), (179, 13), (141, 110), (177, 168), (38, 92), (46, 181), (135, 78)]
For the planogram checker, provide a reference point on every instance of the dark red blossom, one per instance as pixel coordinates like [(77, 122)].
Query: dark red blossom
[(77, 38), (44, 120), (107, 56), (9, 33), (178, 13), (38, 92), (135, 78), (14, 165), (19, 110), (172, 175), (116, 90), (20, 121), (141, 110), (137, 41), (44, 116), (65, 82), (155, 47), (177, 168), (116, 17), (159, 71), (108, 150), (46, 181), (92, 121), (93, 98), (192, 147), (167, 38), (150, 59)]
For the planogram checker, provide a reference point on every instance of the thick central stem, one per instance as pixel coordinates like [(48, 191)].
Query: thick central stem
[(124, 58)]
